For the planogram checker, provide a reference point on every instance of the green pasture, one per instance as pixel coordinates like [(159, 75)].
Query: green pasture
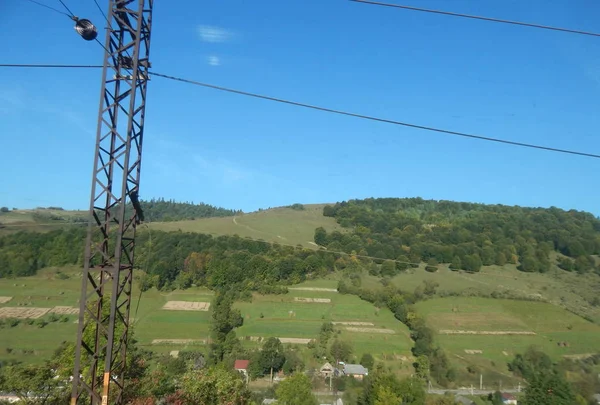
[(281, 225)]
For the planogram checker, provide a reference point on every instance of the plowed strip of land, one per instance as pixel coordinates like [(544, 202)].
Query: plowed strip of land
[(186, 306), (299, 341), (64, 310), (484, 332), (312, 289), (313, 300), (354, 323), (22, 313), (371, 330), (4, 300), (177, 341)]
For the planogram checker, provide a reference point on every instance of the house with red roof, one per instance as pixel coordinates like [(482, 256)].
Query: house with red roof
[(242, 366)]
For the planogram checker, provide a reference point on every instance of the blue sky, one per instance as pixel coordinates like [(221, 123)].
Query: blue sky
[(201, 145)]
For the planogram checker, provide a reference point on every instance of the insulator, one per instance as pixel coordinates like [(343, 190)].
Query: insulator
[(86, 29)]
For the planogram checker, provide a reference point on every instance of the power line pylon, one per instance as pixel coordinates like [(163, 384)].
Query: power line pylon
[(101, 347)]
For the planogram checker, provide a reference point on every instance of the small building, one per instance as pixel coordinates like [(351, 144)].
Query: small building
[(269, 401), (356, 370), (242, 366), (509, 399), (597, 398)]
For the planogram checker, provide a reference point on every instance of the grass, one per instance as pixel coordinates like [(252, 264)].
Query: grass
[(281, 225), (47, 290), (282, 317), (26, 220), (551, 324), (568, 290)]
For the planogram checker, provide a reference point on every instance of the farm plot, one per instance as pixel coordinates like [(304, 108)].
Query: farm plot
[(312, 300), (495, 329), (22, 313), (370, 330), (366, 328), (60, 310), (4, 300), (186, 306)]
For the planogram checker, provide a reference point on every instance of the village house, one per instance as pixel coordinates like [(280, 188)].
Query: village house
[(327, 370), (509, 399), (356, 370), (242, 366)]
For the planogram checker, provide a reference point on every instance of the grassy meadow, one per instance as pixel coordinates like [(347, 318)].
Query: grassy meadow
[(551, 326), (281, 225)]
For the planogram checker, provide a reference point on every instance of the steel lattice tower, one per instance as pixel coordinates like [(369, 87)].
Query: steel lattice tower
[(101, 347)]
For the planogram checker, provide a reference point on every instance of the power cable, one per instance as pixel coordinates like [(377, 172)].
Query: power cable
[(498, 20), (338, 112), (48, 66), (377, 119), (49, 7), (67, 8), (101, 11)]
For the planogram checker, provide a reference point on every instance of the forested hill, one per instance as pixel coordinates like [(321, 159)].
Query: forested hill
[(464, 234), (168, 210)]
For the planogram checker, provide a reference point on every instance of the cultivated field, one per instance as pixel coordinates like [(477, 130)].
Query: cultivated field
[(48, 294), (26, 220), (281, 225), (368, 329), (568, 290), (489, 332)]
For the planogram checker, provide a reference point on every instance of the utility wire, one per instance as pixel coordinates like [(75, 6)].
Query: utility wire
[(101, 11), (338, 112), (48, 66), (49, 7), (67, 8), (545, 27), (377, 119)]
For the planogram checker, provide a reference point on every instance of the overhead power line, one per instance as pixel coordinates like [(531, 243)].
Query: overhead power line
[(377, 119), (67, 8), (334, 111), (475, 17), (49, 7), (50, 66)]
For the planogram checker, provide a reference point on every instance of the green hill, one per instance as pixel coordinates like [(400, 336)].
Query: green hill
[(286, 226)]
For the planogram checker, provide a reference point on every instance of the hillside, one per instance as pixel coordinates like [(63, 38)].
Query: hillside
[(282, 225), (39, 220)]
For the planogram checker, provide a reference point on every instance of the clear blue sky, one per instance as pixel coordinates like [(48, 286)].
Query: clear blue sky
[(498, 80)]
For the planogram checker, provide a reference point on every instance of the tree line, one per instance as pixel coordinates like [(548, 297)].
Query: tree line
[(465, 235), (161, 210)]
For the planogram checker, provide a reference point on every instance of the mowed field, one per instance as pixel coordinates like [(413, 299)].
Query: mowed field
[(295, 318), (291, 317), (568, 290), (47, 291), (488, 332), (281, 225), (24, 220)]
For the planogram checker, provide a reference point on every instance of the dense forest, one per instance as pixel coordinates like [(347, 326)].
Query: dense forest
[(465, 235), (174, 259), (170, 210)]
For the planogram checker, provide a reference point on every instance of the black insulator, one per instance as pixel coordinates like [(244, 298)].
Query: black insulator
[(86, 29)]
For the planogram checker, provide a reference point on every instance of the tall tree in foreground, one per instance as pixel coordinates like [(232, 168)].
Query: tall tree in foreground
[(214, 386), (295, 390)]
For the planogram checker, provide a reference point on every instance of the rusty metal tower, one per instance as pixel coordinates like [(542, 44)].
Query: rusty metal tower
[(101, 347)]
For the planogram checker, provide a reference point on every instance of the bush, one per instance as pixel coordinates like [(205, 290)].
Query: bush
[(40, 323)]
